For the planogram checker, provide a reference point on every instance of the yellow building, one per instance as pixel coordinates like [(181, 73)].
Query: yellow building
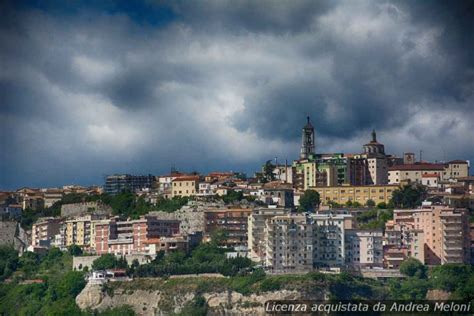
[(361, 194), (78, 231), (185, 186)]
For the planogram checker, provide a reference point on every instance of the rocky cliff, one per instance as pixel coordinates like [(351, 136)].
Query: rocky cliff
[(165, 297)]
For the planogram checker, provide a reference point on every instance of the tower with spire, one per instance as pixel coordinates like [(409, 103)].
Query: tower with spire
[(374, 148), (307, 140)]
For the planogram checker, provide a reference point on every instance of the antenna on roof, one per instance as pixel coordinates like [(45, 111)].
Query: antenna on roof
[(421, 155)]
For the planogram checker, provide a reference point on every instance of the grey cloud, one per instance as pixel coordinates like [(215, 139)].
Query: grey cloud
[(227, 85)]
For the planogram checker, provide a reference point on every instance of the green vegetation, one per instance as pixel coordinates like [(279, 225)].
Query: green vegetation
[(236, 196), (409, 196), (309, 201), (55, 292), (109, 261), (206, 258), (370, 203), (456, 279), (374, 218)]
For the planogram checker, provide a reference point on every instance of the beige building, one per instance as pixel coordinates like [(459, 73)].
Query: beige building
[(361, 194), (44, 231), (80, 231), (185, 186), (414, 172), (446, 234), (364, 248), (256, 230)]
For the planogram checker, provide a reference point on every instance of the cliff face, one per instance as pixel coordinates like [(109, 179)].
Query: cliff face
[(162, 302)]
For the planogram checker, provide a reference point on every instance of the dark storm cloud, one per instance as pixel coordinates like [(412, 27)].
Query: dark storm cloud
[(89, 89)]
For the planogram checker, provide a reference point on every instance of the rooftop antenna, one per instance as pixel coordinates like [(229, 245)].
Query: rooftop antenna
[(421, 155)]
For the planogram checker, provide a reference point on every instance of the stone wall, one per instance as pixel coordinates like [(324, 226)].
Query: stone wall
[(191, 215), (77, 209), (12, 234), (80, 262)]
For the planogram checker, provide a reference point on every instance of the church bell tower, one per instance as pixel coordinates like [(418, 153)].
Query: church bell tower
[(307, 140)]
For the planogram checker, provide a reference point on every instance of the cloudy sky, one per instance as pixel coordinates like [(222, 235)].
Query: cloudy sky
[(88, 90)]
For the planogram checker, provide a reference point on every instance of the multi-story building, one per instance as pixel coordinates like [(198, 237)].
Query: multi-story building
[(446, 234), (289, 243), (78, 231), (305, 241), (329, 239), (414, 172), (364, 248), (44, 231), (118, 183), (256, 230), (361, 194), (234, 221), (129, 237), (185, 186)]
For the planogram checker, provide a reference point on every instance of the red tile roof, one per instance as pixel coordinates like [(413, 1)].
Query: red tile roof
[(187, 178), (418, 166)]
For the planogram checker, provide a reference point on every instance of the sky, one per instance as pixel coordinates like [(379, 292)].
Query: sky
[(91, 88)]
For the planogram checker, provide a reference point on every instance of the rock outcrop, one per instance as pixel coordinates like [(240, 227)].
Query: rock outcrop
[(147, 301)]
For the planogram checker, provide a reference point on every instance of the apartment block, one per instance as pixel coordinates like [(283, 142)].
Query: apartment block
[(446, 234), (329, 241), (364, 248), (44, 231), (131, 237), (295, 242), (256, 230), (289, 243), (118, 183), (78, 231), (233, 220), (361, 194)]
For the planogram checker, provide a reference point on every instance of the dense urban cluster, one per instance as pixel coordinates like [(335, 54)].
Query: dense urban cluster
[(365, 212)]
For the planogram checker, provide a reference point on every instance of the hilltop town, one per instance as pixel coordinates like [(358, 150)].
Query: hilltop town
[(364, 213)]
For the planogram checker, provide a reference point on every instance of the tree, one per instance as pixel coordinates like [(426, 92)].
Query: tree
[(74, 250), (108, 261), (409, 196), (219, 237), (382, 205), (8, 261), (370, 203), (413, 268), (268, 171), (309, 201)]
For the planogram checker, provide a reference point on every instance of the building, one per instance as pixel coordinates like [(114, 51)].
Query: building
[(256, 230), (185, 186), (361, 194), (234, 221), (307, 141), (43, 232), (131, 237), (377, 163), (297, 242), (329, 239), (52, 196), (446, 234), (414, 172), (118, 183), (277, 193), (79, 231), (364, 248), (289, 243)]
